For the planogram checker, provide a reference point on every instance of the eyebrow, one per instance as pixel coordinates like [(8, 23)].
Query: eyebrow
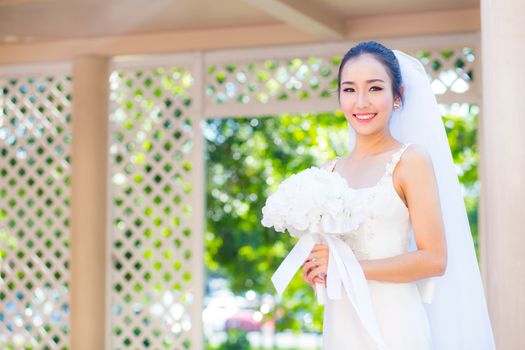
[(368, 81)]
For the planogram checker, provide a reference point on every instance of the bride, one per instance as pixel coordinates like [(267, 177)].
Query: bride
[(415, 248)]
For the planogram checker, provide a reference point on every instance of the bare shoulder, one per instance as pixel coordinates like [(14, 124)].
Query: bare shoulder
[(415, 163), (416, 155)]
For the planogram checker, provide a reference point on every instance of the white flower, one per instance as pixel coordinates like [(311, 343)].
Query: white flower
[(312, 201)]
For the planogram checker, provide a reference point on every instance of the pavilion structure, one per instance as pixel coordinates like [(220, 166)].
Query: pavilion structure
[(102, 159)]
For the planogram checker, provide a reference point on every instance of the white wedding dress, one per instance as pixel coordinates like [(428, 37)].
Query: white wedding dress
[(398, 307)]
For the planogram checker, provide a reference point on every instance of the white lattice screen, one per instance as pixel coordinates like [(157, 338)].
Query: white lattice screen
[(451, 71), (156, 184), (35, 145)]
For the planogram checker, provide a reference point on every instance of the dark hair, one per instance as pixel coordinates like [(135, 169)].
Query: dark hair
[(380, 53)]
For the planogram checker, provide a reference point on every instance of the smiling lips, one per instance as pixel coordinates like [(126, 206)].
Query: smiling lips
[(364, 117)]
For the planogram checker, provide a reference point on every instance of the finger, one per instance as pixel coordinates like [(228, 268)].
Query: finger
[(318, 257), (314, 263), (310, 265), (319, 280), (317, 260), (311, 284), (315, 272), (313, 279), (318, 254), (319, 247), (323, 281), (303, 276)]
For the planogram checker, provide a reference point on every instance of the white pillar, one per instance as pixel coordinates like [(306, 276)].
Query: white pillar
[(89, 197), (503, 167)]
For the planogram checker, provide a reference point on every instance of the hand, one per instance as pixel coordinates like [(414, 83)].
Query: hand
[(316, 266)]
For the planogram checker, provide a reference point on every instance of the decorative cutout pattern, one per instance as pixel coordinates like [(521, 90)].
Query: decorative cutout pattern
[(152, 261), (451, 71), (35, 147), (315, 78), (273, 80)]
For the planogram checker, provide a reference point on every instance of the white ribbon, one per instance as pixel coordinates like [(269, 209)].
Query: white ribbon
[(343, 270)]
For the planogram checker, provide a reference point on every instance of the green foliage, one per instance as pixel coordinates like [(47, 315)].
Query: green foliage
[(7, 242), (248, 157), (237, 340), (461, 124)]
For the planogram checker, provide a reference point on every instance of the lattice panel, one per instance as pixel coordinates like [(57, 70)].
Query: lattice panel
[(451, 70), (314, 79), (151, 172), (266, 81), (35, 176)]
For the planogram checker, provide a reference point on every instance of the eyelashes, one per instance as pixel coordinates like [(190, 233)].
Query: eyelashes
[(372, 88)]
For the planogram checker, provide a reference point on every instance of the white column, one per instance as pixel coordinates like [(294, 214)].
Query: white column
[(503, 167), (89, 197)]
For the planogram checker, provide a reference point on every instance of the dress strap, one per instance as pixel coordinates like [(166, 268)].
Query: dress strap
[(395, 159), (330, 166), (390, 166)]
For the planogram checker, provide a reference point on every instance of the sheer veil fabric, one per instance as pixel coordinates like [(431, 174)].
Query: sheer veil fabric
[(456, 306)]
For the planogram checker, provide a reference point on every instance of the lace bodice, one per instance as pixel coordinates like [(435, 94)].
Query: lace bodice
[(385, 231)]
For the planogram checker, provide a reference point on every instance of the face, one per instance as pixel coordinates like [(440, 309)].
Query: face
[(366, 96)]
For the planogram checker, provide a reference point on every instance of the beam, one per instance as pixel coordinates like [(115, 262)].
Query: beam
[(305, 16), (400, 26)]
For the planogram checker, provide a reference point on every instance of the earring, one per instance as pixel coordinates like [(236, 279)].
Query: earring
[(397, 105)]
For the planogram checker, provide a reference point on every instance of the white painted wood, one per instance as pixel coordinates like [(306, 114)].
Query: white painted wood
[(42, 235), (304, 15), (89, 197), (175, 307), (408, 43), (275, 108), (27, 70), (198, 202), (151, 61), (503, 167)]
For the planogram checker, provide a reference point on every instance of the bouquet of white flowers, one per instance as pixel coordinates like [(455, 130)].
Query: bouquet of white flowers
[(312, 201), (315, 206)]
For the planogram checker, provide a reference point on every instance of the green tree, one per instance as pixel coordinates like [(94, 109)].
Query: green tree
[(461, 124), (247, 158)]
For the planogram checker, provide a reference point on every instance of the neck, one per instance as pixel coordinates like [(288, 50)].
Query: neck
[(371, 145)]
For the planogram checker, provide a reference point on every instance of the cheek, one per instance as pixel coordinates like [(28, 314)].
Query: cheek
[(346, 105), (345, 101), (383, 102)]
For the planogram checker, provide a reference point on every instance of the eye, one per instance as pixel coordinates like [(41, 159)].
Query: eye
[(376, 88), (348, 89)]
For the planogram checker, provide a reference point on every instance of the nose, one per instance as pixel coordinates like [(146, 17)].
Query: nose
[(362, 100)]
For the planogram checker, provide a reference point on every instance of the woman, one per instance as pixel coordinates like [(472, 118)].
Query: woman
[(400, 164)]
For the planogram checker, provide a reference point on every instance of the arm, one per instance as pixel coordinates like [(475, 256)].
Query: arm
[(418, 183)]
